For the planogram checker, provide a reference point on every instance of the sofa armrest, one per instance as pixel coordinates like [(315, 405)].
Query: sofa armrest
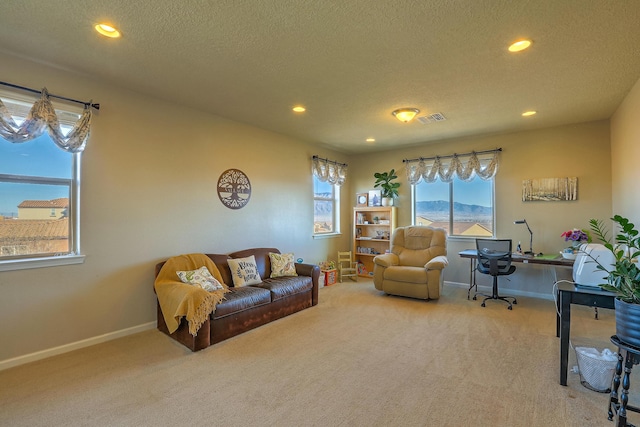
[(437, 263), (314, 272), (387, 260)]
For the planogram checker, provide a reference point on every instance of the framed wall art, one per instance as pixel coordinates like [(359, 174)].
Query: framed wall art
[(375, 198), (362, 199), (550, 189)]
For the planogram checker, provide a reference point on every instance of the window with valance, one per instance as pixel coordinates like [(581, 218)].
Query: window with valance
[(446, 193), (40, 153), (328, 176)]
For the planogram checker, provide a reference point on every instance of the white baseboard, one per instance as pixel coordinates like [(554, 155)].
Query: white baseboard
[(515, 292), (43, 354)]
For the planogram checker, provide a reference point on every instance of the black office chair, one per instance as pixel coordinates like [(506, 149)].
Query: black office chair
[(494, 258)]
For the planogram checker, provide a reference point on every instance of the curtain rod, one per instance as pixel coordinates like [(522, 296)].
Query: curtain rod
[(86, 104), (452, 155), (330, 161)]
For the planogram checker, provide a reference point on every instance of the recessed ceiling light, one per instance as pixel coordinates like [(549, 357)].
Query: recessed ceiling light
[(529, 113), (107, 31), (370, 140), (519, 45), (299, 109)]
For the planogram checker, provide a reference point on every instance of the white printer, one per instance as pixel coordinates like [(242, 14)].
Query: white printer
[(585, 270)]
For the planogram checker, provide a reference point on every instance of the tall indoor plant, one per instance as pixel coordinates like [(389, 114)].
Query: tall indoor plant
[(623, 276), (389, 188)]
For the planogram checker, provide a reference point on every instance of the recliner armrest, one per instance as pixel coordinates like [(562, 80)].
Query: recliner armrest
[(437, 263), (386, 260)]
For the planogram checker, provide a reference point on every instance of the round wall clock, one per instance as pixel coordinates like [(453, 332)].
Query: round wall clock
[(234, 189)]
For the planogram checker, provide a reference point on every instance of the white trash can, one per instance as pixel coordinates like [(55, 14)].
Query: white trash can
[(596, 368)]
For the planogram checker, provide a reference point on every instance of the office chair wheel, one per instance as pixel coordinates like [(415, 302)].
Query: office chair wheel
[(509, 308), (475, 297), (515, 301), (482, 305)]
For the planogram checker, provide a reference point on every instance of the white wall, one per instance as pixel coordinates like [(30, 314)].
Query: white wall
[(149, 192)]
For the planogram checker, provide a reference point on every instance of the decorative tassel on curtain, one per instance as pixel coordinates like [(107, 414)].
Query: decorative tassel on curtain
[(329, 171), (41, 117), (431, 168)]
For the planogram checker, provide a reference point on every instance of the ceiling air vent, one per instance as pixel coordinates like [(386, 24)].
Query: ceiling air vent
[(435, 117)]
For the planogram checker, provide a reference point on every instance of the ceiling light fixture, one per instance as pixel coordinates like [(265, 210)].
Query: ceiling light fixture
[(405, 114), (299, 109), (107, 31), (519, 45), (370, 140), (529, 113)]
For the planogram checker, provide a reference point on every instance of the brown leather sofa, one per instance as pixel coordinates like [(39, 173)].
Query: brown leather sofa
[(248, 307)]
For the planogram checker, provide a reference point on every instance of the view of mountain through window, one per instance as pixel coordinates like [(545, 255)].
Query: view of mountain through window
[(461, 208), (324, 207)]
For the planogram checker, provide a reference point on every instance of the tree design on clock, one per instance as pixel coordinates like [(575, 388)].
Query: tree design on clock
[(234, 189)]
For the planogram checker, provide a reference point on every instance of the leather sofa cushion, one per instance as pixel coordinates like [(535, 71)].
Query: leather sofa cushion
[(282, 287), (239, 299), (406, 274)]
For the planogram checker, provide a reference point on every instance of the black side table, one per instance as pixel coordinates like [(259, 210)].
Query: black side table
[(631, 356)]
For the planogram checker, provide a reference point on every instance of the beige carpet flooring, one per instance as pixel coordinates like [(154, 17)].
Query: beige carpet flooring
[(359, 358)]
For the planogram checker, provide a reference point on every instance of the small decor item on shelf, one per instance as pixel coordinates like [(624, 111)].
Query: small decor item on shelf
[(362, 199), (375, 198)]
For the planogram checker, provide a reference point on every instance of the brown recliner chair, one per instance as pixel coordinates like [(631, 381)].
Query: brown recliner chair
[(414, 266)]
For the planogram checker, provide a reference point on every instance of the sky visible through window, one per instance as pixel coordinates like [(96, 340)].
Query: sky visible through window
[(39, 157), (476, 192)]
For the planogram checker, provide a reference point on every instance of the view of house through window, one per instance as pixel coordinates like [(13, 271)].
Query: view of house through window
[(325, 207), (37, 186), (461, 208)]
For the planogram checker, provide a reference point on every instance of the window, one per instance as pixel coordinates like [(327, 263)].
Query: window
[(326, 208), (39, 185), (462, 208)]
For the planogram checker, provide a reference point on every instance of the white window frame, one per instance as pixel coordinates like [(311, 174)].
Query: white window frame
[(336, 211), (451, 202), (74, 255)]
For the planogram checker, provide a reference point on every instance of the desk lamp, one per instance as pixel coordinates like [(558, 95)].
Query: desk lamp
[(524, 221)]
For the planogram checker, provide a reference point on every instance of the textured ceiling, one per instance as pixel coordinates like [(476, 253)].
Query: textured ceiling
[(350, 62)]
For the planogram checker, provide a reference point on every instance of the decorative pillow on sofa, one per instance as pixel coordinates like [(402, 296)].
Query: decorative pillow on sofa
[(200, 277), (282, 265), (244, 271)]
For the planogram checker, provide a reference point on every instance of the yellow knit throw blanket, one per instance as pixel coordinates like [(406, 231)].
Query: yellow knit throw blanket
[(179, 299)]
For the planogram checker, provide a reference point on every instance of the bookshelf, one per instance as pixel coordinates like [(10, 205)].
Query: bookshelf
[(372, 230)]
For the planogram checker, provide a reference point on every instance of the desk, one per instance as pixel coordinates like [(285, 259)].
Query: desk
[(472, 254), (568, 294)]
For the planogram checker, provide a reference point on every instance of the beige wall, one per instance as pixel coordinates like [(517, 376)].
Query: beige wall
[(149, 192), (625, 155), (577, 150)]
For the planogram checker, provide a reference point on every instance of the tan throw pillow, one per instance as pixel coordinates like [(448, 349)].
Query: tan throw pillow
[(200, 277), (244, 271), (282, 265)]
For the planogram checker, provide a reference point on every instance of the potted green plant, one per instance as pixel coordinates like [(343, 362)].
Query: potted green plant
[(623, 276), (389, 188)]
